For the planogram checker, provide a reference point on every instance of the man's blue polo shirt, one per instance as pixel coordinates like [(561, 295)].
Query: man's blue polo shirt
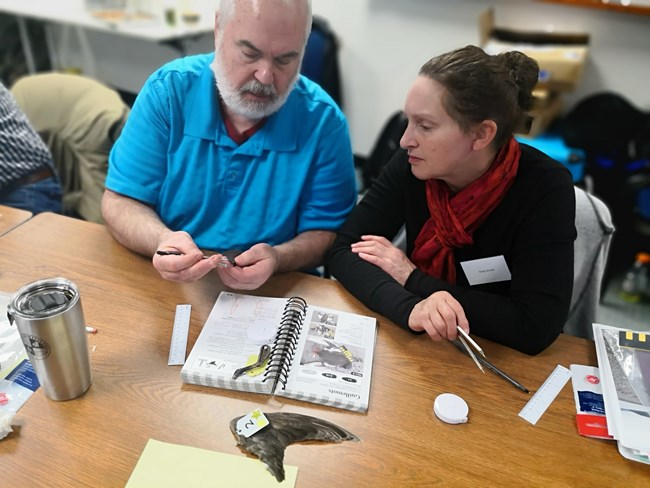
[(293, 175)]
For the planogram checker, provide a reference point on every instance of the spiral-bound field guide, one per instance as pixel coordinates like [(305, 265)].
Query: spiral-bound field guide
[(317, 354)]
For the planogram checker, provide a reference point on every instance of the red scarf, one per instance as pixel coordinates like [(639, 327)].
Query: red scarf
[(454, 218)]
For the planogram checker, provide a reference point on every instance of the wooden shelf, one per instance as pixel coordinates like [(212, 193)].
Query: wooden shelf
[(613, 5)]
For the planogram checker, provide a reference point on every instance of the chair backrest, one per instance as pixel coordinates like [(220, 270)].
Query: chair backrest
[(321, 60), (79, 119), (595, 229), (385, 146)]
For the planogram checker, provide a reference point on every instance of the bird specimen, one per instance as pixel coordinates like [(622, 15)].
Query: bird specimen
[(286, 428)]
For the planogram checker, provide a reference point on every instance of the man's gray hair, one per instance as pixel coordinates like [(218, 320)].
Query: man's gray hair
[(227, 9)]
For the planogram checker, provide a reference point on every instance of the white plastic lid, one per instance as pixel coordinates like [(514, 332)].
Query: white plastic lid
[(451, 408)]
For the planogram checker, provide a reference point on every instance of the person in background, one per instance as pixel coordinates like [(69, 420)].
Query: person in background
[(234, 150), (489, 221), (79, 118), (28, 179)]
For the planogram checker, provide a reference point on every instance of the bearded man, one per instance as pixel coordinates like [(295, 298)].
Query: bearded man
[(234, 150)]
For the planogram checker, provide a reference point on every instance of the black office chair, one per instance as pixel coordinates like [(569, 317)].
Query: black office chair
[(385, 146)]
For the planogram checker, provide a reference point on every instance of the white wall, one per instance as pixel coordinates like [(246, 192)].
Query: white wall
[(122, 61), (384, 43)]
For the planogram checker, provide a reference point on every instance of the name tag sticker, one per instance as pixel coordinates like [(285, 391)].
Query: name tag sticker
[(486, 270)]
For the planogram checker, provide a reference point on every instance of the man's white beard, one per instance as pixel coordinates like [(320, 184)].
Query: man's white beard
[(235, 100)]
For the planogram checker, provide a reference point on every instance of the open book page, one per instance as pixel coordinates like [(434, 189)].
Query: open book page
[(236, 328), (333, 360)]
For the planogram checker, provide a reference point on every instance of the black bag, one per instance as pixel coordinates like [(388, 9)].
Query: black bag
[(615, 136), (603, 125)]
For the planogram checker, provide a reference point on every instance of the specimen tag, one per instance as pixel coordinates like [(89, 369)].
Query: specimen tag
[(252, 423)]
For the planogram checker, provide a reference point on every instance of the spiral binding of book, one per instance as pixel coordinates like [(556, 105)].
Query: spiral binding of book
[(317, 354), (286, 340)]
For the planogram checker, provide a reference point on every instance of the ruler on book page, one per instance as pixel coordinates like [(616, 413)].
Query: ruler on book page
[(543, 397), (180, 332)]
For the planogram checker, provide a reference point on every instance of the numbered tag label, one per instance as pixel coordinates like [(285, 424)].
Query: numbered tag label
[(252, 423)]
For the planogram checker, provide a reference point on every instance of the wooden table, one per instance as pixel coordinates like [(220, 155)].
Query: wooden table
[(12, 217), (97, 439)]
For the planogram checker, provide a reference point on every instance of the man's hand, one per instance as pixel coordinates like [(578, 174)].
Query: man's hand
[(438, 315), (382, 253), (252, 268), (189, 265)]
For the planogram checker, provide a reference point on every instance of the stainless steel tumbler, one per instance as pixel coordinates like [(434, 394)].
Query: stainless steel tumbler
[(51, 324)]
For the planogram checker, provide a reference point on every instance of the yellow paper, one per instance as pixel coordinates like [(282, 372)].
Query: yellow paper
[(164, 465)]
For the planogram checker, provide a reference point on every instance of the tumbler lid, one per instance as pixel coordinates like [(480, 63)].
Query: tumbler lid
[(44, 298)]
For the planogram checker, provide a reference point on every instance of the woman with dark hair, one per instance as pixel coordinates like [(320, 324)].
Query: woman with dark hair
[(489, 221)]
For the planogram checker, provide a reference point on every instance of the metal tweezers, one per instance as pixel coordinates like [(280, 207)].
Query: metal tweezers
[(464, 338)]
